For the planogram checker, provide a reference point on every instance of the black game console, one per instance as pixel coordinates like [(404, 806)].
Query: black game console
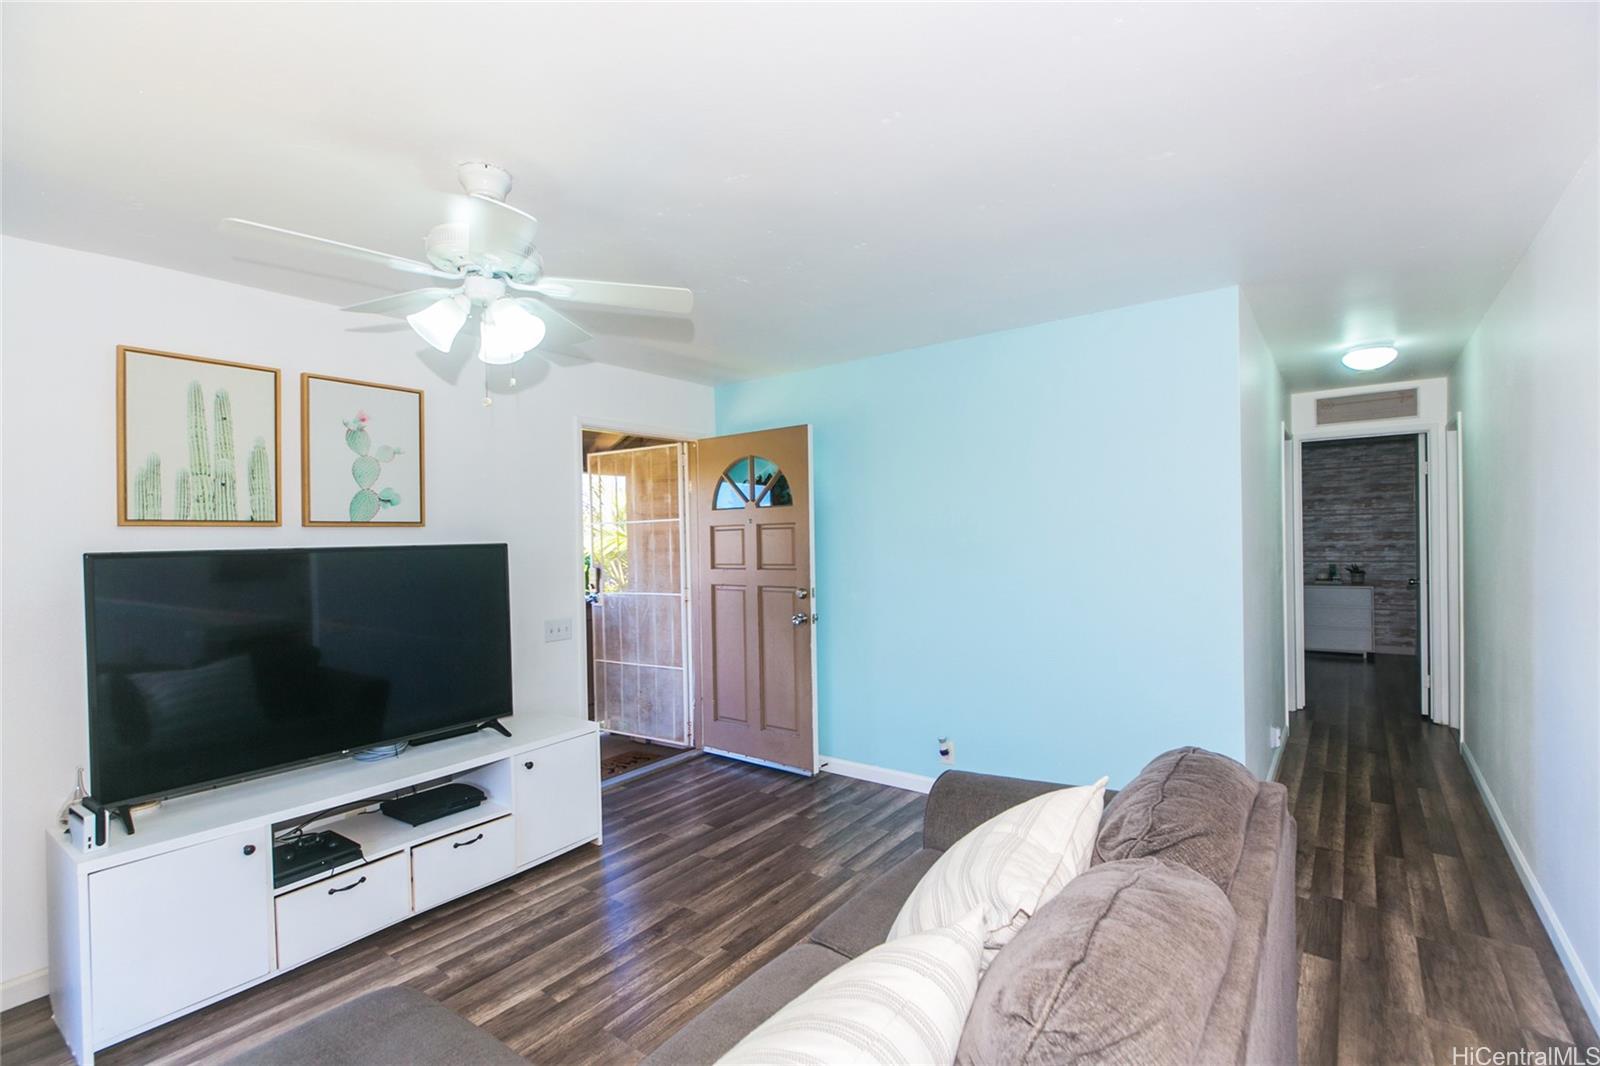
[(311, 853), (435, 803)]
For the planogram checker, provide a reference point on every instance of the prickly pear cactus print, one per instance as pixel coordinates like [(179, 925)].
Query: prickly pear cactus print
[(366, 504)]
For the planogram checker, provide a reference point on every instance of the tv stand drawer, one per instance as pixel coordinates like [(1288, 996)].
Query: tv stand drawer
[(456, 864), (339, 909)]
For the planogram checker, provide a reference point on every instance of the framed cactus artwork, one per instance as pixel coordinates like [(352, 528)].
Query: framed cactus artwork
[(361, 453), (197, 441)]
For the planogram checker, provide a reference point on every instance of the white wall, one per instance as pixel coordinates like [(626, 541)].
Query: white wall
[(1528, 388), (1263, 404), (504, 473)]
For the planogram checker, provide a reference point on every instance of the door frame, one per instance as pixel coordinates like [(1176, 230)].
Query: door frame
[(1433, 648), (580, 425), (1294, 682), (1455, 600)]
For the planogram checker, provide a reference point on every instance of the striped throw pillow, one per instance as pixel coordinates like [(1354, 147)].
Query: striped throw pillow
[(901, 1002), (1009, 866)]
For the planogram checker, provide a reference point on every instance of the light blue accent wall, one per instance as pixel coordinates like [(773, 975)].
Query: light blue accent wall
[(1027, 541)]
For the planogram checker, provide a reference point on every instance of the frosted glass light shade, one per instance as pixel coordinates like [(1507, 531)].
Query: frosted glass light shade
[(1372, 357), (507, 332), (520, 327), (440, 321)]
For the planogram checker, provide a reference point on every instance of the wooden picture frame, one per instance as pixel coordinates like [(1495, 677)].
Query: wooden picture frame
[(145, 379), (339, 444)]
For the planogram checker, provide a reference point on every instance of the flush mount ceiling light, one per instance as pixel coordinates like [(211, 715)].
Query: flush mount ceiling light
[(1370, 357)]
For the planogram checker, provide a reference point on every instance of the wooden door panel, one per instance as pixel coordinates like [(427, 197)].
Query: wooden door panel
[(775, 546), (729, 678), (779, 655), (726, 551), (752, 580)]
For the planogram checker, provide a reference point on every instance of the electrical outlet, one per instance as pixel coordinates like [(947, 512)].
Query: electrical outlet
[(1277, 736), (557, 629), (947, 750)]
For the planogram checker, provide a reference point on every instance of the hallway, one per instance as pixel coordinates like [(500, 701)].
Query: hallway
[(1415, 934)]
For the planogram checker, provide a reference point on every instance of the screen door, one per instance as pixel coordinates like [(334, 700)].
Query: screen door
[(634, 541)]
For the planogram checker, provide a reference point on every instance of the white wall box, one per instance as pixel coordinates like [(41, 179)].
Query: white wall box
[(183, 912)]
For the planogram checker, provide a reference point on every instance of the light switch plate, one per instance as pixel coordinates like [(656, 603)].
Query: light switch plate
[(557, 629)]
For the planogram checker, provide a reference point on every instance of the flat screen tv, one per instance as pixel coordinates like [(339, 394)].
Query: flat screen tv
[(210, 666)]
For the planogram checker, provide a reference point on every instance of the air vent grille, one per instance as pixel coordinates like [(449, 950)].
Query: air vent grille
[(1367, 407)]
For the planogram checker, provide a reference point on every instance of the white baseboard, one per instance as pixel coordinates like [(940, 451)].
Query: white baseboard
[(1277, 756), (24, 989), (877, 774), (1541, 903)]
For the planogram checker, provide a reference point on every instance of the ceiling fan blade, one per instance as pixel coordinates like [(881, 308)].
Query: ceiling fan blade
[(559, 330), (402, 303), (657, 299), (353, 251)]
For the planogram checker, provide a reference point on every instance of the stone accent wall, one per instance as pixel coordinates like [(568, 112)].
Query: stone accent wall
[(1359, 502)]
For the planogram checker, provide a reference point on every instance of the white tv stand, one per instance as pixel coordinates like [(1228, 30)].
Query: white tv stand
[(183, 912)]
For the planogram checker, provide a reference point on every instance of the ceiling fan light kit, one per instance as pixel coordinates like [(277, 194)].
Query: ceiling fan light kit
[(440, 321), (488, 248)]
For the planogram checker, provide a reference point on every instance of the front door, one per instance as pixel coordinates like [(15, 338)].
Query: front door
[(752, 597)]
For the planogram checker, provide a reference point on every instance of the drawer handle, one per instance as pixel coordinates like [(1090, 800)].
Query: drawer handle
[(464, 843), (528, 765), (348, 887)]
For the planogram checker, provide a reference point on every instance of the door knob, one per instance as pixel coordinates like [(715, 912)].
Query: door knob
[(800, 618)]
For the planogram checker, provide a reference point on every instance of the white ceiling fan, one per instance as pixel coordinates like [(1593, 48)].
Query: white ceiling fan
[(487, 255)]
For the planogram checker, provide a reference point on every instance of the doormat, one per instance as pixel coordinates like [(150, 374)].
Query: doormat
[(621, 763)]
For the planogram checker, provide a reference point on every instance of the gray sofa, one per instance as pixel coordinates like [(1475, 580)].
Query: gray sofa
[(1205, 969)]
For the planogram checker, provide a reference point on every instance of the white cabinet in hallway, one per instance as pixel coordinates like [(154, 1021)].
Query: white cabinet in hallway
[(1339, 618)]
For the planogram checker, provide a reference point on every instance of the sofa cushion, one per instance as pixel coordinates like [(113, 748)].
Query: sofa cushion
[(712, 1032), (863, 921), (1121, 967), (390, 1027), (1189, 806)]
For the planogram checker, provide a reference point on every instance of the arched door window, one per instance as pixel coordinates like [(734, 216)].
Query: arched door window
[(753, 479)]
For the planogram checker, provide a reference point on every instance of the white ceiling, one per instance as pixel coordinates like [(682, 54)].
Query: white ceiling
[(835, 181)]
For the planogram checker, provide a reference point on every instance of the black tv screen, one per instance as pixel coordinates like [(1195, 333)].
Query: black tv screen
[(206, 666)]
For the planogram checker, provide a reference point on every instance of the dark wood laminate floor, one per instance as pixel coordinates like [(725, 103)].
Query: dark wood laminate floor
[(709, 869), (1415, 934)]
